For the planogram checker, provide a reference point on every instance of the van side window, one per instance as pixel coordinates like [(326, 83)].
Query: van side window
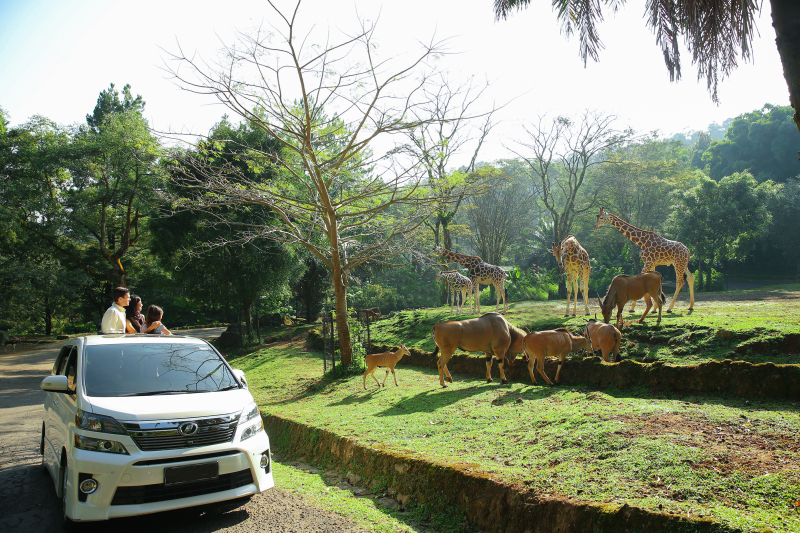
[(71, 370), (61, 361)]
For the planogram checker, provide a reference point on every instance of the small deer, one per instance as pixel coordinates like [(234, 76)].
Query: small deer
[(386, 359)]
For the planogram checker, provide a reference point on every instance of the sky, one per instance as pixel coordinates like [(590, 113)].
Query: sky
[(58, 55)]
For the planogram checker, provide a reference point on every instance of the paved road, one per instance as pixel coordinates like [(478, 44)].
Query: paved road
[(27, 497)]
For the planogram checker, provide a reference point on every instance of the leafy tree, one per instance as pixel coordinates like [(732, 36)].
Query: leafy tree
[(108, 103), (764, 141), (716, 34), (84, 191), (187, 241), (785, 231), (723, 220), (635, 184), (333, 197)]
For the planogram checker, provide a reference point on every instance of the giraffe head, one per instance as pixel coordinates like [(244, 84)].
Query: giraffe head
[(556, 251), (602, 218)]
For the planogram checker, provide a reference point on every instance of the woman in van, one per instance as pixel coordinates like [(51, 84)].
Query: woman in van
[(153, 321)]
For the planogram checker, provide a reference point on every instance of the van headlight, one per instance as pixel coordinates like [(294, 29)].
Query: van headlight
[(249, 413), (99, 423), (99, 445), (252, 430)]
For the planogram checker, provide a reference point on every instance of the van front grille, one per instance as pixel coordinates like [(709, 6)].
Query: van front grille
[(174, 434), (158, 493)]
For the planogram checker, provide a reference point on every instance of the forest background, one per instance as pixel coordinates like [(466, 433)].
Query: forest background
[(89, 206)]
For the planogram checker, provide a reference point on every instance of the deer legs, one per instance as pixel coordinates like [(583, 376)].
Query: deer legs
[(441, 364)]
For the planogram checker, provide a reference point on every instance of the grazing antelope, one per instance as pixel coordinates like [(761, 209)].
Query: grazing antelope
[(624, 288), (490, 333), (604, 337), (386, 359), (551, 343)]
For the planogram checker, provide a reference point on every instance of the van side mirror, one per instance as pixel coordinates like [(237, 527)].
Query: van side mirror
[(56, 384), (239, 374)]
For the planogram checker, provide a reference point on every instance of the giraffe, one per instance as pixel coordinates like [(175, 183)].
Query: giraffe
[(480, 272), (656, 250), (573, 258), (456, 283)]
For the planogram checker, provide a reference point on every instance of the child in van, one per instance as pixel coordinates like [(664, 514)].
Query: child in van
[(153, 318)]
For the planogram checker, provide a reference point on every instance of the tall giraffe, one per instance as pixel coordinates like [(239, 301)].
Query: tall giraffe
[(656, 250), (573, 258), (457, 283), (480, 272)]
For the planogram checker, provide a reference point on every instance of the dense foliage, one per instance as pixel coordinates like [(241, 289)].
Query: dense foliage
[(82, 209)]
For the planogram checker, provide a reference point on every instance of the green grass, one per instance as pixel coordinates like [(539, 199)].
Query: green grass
[(751, 318), (366, 511), (727, 458)]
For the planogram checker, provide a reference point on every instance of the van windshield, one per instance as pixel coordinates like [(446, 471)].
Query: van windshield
[(154, 368)]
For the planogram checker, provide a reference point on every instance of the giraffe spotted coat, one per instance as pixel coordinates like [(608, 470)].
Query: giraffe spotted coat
[(574, 259), (480, 272), (457, 283), (656, 250)]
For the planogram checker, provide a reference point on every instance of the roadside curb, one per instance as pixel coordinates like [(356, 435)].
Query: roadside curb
[(489, 504)]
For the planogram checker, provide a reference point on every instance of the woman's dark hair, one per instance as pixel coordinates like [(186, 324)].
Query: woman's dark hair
[(154, 313), (131, 311)]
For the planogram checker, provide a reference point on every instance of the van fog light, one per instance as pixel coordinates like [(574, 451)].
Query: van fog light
[(264, 461), (88, 486)]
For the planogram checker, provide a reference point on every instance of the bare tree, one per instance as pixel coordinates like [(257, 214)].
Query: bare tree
[(559, 154), (447, 128), (494, 219), (326, 105)]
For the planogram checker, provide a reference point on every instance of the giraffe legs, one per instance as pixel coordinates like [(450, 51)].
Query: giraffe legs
[(682, 267), (500, 289), (585, 283)]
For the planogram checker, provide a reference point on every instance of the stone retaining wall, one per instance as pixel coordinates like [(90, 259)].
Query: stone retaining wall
[(489, 504), (766, 380)]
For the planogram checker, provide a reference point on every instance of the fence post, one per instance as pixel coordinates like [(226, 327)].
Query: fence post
[(333, 347)]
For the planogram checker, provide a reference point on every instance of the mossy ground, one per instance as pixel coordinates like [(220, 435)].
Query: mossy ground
[(731, 459), (366, 510)]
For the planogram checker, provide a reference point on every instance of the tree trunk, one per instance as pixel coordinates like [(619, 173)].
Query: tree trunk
[(342, 328), (48, 316), (247, 310), (700, 286), (786, 21), (448, 243)]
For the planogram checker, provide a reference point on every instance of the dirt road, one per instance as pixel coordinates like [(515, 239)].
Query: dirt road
[(27, 497)]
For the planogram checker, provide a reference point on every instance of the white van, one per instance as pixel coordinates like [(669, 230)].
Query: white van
[(137, 424)]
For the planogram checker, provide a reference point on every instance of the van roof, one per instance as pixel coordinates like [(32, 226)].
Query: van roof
[(119, 338)]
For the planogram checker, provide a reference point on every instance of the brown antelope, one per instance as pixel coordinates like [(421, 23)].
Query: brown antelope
[(551, 343), (604, 337), (490, 333), (373, 313), (386, 359), (624, 288)]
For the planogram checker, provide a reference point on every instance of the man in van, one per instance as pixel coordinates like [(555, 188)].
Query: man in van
[(114, 318)]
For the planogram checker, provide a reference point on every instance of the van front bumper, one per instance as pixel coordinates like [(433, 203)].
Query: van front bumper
[(134, 484)]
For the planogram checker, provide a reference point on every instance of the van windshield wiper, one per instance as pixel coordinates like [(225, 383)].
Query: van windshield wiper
[(156, 392)]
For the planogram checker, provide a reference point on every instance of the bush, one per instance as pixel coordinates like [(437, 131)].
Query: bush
[(717, 283), (532, 284)]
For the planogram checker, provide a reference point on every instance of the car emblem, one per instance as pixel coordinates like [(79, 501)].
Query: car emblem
[(187, 428)]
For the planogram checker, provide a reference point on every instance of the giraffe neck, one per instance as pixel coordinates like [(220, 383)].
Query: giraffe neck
[(634, 234), (463, 260)]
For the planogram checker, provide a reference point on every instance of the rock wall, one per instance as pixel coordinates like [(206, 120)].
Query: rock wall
[(765, 380), (489, 504)]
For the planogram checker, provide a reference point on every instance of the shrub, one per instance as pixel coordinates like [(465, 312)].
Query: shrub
[(535, 283), (716, 284)]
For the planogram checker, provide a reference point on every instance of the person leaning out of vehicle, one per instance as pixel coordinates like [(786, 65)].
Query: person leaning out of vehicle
[(114, 318)]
